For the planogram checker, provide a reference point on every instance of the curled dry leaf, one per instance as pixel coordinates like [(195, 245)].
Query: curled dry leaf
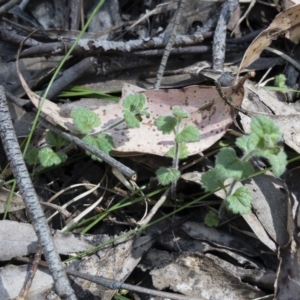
[(208, 112), (285, 24)]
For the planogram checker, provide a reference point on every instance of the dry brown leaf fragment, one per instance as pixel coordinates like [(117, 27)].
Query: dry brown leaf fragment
[(285, 24)]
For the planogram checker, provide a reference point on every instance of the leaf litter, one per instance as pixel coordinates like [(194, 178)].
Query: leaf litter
[(213, 117), (208, 112)]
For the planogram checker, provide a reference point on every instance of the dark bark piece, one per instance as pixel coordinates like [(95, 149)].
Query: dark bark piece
[(6, 7), (169, 45), (219, 44)]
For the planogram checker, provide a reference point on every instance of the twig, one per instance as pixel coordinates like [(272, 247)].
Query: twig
[(6, 7), (251, 5), (86, 67), (114, 285), (29, 279), (62, 210), (108, 159), (89, 47), (284, 56), (36, 214), (169, 45), (19, 102), (13, 37), (219, 44), (90, 66)]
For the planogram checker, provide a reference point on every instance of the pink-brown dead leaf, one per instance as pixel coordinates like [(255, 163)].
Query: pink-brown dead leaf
[(207, 111), (285, 24)]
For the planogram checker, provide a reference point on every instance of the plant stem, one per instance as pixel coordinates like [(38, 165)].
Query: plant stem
[(175, 163), (109, 127), (247, 156)]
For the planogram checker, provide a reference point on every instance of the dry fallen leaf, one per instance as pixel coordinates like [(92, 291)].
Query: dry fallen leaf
[(287, 284), (19, 239), (285, 24), (196, 275), (16, 203), (208, 111), (270, 206)]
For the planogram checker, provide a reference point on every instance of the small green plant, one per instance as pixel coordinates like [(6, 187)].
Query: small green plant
[(85, 120), (182, 136), (280, 81), (47, 156), (280, 86), (265, 140), (211, 219)]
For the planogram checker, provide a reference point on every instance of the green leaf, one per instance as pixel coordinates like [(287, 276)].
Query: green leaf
[(134, 103), (189, 134), (48, 157), (62, 155), (182, 151), (280, 81), (93, 142), (245, 143), (102, 142), (230, 166), (166, 176), (179, 113), (264, 132), (240, 201), (85, 119), (145, 112), (212, 180), (166, 124), (277, 160), (131, 119), (134, 106), (211, 219), (264, 141), (105, 142), (32, 156), (54, 140)]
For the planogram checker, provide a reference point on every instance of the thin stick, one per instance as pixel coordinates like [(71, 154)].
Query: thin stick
[(114, 284), (6, 7), (36, 214), (169, 45), (219, 44), (33, 269), (108, 159)]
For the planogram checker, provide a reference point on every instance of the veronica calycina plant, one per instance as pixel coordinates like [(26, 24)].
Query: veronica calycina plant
[(182, 136), (264, 140)]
